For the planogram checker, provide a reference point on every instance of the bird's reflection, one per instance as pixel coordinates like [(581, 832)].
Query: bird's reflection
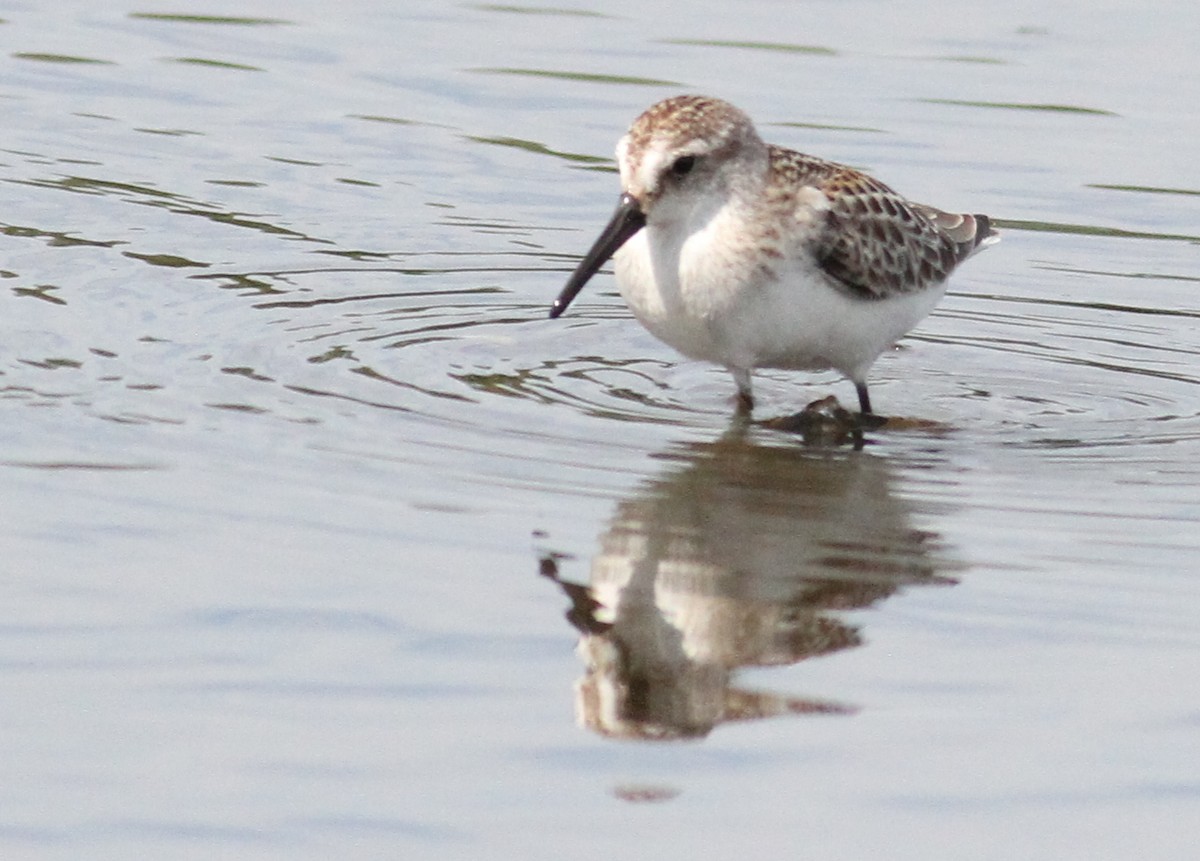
[(737, 555)]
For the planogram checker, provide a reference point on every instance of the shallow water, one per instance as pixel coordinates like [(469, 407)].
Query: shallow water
[(299, 481)]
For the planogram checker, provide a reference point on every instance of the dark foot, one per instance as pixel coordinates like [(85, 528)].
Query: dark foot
[(870, 421), (827, 423), (743, 403)]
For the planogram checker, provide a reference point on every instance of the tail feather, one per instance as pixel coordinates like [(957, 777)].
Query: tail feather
[(969, 233), (985, 234)]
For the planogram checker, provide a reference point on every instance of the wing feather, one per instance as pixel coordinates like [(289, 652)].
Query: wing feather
[(873, 242)]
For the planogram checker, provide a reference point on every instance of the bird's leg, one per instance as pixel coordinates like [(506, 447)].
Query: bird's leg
[(745, 396), (864, 400), (866, 417)]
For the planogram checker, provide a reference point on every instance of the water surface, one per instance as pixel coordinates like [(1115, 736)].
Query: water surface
[(318, 538)]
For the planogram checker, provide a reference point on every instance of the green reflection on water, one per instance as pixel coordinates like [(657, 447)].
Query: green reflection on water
[(172, 133), (54, 239), (826, 127), (538, 10), (219, 64), (539, 148), (207, 19), (172, 261), (586, 77), (149, 196), (782, 47), (1022, 106), (62, 58), (971, 58), (41, 291), (379, 118), (1145, 189), (1088, 230)]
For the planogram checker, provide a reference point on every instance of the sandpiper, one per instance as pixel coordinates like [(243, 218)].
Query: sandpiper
[(752, 256)]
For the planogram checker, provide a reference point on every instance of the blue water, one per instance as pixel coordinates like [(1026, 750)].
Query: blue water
[(318, 539)]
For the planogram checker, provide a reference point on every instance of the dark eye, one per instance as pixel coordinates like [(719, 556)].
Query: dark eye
[(683, 165)]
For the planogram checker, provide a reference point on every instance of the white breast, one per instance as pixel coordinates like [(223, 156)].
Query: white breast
[(715, 298)]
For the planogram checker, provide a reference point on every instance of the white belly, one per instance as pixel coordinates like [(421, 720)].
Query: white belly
[(743, 311)]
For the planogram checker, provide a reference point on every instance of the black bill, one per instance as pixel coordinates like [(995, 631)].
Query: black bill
[(626, 221)]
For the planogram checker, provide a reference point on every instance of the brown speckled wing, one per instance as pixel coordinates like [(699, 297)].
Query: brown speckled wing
[(875, 243)]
